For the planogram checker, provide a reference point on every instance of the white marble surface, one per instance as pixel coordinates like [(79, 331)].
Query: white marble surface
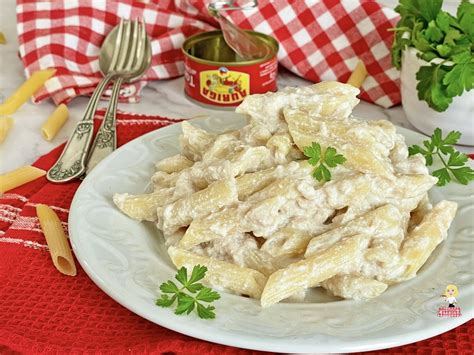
[(24, 144)]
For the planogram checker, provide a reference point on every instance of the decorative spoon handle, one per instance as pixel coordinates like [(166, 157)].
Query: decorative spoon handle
[(71, 163), (106, 139)]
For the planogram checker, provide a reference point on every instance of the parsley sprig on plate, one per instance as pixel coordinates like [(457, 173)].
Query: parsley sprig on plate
[(437, 34), (190, 295), (452, 160), (322, 161)]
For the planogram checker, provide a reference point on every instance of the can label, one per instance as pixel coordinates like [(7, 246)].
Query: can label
[(228, 85), (224, 86)]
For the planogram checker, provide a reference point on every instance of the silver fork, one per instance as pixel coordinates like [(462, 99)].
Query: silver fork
[(130, 68), (71, 163)]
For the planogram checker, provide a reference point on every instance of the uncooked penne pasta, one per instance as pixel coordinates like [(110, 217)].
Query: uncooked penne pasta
[(306, 273), (423, 239), (25, 91), (199, 204), (6, 123), (358, 75), (235, 278), (355, 287), (3, 39), (57, 241), (174, 164), (143, 207), (19, 177), (54, 122)]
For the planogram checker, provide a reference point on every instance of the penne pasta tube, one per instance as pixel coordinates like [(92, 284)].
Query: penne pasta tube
[(25, 91), (199, 204), (235, 278), (288, 242), (358, 75), (19, 177), (355, 287), (6, 123), (57, 241), (217, 225), (383, 220), (174, 164), (54, 122), (423, 239), (142, 207), (310, 272)]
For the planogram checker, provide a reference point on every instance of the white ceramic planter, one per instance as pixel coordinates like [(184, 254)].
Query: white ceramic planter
[(459, 116)]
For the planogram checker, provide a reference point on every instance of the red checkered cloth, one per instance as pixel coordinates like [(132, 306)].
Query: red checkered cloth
[(43, 311), (319, 40)]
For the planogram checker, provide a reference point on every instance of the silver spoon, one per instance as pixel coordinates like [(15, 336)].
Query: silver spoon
[(132, 68), (71, 163)]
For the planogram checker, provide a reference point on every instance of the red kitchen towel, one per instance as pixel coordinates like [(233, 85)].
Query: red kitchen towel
[(42, 310), (319, 40)]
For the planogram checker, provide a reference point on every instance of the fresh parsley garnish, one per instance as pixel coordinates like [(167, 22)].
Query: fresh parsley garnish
[(190, 300), (322, 161), (442, 148), (437, 34)]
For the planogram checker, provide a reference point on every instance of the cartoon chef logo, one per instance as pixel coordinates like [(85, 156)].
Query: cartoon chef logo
[(451, 308), (224, 85)]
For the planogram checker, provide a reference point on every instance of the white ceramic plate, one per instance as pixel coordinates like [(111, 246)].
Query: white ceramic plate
[(128, 261)]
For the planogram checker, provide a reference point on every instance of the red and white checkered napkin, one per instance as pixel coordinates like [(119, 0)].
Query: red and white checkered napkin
[(319, 40)]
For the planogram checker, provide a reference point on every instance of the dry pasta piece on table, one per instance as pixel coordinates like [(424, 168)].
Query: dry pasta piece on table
[(235, 278), (54, 122), (358, 75), (6, 123), (57, 241), (25, 91), (19, 177)]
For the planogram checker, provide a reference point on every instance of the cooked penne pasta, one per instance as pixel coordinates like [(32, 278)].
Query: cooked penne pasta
[(57, 241), (143, 207), (199, 204), (174, 164), (217, 225), (18, 177), (241, 280), (6, 123), (358, 75), (310, 272), (423, 239), (250, 204), (353, 286), (385, 219), (25, 91), (54, 122)]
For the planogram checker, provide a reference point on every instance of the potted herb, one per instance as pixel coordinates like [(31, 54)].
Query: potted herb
[(434, 50)]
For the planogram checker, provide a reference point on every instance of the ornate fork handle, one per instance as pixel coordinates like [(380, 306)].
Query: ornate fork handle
[(71, 163), (106, 139)]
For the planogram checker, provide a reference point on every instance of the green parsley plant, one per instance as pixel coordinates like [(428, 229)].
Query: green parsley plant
[(322, 161), (437, 34), (452, 160), (190, 295)]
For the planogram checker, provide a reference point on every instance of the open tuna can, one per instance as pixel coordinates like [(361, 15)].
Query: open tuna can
[(216, 76)]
